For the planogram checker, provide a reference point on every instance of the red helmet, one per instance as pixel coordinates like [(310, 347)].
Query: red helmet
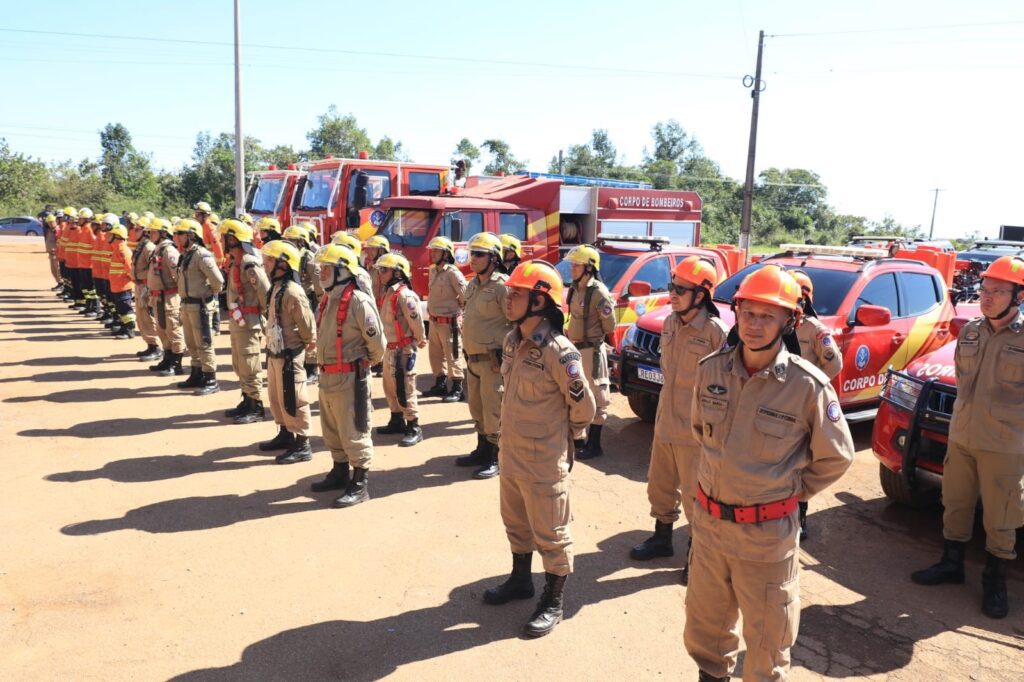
[(772, 285), (804, 280), (698, 271), (1007, 268)]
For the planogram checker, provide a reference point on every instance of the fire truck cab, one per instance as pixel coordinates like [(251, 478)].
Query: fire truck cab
[(272, 192)]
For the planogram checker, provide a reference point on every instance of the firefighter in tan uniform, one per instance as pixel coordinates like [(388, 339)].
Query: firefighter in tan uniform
[(591, 319), (349, 339), (484, 328), (771, 433), (985, 454), (372, 249), (403, 329), (291, 332), (247, 288), (511, 251), (693, 331), (447, 295), (199, 283), (161, 280), (549, 402), (141, 255), (309, 278)]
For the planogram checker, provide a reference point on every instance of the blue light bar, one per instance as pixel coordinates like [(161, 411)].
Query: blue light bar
[(589, 182)]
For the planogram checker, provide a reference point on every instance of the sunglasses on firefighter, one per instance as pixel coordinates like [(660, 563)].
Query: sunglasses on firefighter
[(679, 290), (479, 254)]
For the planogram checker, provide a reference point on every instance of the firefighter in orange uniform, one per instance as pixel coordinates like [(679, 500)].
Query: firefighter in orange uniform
[(444, 304), (211, 238), (816, 346), (691, 332), (985, 454), (101, 255), (771, 433), (71, 233), (86, 247), (120, 278), (550, 404)]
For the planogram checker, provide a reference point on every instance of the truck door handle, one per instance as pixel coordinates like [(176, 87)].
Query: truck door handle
[(897, 339)]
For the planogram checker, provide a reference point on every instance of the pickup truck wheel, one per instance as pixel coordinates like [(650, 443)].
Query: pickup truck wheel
[(644, 406), (896, 489)]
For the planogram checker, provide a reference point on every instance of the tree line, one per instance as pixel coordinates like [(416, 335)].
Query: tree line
[(790, 204)]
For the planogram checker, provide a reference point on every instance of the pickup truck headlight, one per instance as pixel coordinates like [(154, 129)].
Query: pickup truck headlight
[(629, 338), (901, 390)]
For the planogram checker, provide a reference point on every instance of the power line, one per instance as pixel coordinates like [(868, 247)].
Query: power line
[(896, 29)]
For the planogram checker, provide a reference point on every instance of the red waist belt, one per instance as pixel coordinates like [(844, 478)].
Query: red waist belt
[(339, 367), (400, 344), (756, 513), (168, 292), (443, 320)]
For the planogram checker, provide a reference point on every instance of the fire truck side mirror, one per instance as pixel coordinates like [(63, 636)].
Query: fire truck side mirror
[(456, 230), (873, 316), (638, 288)]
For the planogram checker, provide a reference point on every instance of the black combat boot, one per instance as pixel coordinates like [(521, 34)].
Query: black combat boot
[(300, 451), (658, 545), (195, 378), (413, 434), (396, 425), (336, 479), (995, 602), (152, 352), (455, 395), (803, 520), (238, 409), (208, 384), (593, 447), (254, 413), (176, 368), (519, 584), (356, 490), (548, 613), (283, 440), (438, 390), (477, 457), (489, 467), (950, 568), (164, 363), (312, 373)]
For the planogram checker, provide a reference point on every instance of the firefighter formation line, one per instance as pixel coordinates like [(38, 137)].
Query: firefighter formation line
[(748, 426)]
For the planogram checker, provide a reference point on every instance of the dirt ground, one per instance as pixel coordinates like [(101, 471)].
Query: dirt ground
[(143, 536)]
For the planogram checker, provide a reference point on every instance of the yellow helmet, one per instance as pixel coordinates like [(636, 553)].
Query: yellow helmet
[(202, 207), (51, 219), (378, 241), (149, 214), (237, 229), (345, 239), (70, 212), (485, 241), (442, 244), (158, 225), (119, 231), (111, 220), (85, 212), (584, 254), (214, 218), (187, 225), (143, 222), (246, 218), (283, 251), (97, 218), (396, 262), (175, 220), (269, 225), (509, 241), (296, 232), (311, 230), (133, 216), (338, 255)]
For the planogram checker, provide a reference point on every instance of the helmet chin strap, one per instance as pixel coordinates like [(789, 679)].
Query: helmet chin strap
[(338, 279)]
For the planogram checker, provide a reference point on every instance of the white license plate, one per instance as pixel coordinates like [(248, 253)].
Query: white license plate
[(652, 374)]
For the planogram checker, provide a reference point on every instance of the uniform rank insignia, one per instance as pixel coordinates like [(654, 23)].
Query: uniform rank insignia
[(577, 389)]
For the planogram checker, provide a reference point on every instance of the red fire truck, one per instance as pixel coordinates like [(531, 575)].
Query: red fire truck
[(272, 192), (549, 213), (347, 194)]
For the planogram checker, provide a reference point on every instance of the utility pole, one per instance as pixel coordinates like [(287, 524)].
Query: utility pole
[(239, 140), (561, 163), (931, 230), (756, 85)]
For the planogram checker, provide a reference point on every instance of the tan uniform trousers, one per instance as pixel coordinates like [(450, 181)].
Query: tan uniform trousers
[(192, 324), (171, 337), (484, 389), (54, 265), (999, 477), (595, 366), (346, 441), (536, 516), (299, 424), (671, 479), (443, 360), (410, 411), (768, 596), (143, 320), (245, 359)]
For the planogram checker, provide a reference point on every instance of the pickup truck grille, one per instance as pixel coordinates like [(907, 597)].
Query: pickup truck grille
[(648, 342)]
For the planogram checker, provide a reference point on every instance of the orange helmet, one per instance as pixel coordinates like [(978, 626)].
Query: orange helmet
[(804, 281), (698, 271), (772, 285), (1007, 268), (540, 276)]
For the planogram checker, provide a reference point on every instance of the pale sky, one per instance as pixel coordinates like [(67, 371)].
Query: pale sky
[(885, 100)]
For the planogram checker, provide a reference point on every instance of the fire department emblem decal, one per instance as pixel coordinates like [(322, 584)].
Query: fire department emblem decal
[(461, 256), (863, 357), (377, 218), (573, 370), (640, 309), (833, 412)]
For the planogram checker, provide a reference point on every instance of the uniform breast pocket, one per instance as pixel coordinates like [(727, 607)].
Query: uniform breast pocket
[(775, 437), (712, 414), (1011, 365), (533, 386)]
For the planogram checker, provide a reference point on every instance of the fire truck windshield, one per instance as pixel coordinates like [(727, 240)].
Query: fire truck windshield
[(407, 226), (319, 189), (267, 196), (830, 286), (613, 266)]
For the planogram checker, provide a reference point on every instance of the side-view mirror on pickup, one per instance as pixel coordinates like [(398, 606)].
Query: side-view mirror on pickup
[(873, 316), (638, 288)]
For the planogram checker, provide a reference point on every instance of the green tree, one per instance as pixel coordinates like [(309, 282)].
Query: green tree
[(389, 150), (337, 135), (20, 181), (466, 151), (502, 160), (672, 143), (211, 176)]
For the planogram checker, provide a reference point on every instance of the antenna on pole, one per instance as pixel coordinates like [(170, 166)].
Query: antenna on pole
[(935, 204), (756, 86), (239, 140)]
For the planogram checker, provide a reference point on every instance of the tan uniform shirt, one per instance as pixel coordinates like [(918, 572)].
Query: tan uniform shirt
[(818, 347), (989, 410), (407, 310), (310, 273), (362, 336), (484, 325), (764, 438), (297, 322), (252, 298), (198, 274), (140, 260), (682, 347), (447, 291), (163, 267), (547, 404), (593, 323), (366, 285)]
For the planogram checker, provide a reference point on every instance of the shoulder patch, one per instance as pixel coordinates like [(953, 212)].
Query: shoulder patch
[(571, 356), (574, 369), (534, 353), (833, 412), (577, 390)]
